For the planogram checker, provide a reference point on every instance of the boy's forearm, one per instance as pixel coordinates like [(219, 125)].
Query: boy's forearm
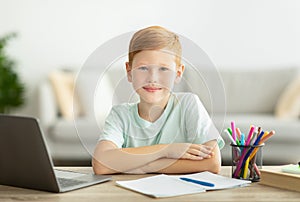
[(109, 159), (185, 166), (176, 166), (182, 166), (126, 159)]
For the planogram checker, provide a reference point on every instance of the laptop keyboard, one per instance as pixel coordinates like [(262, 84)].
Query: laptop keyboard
[(67, 174), (67, 182)]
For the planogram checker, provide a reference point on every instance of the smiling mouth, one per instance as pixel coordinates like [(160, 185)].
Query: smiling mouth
[(151, 88)]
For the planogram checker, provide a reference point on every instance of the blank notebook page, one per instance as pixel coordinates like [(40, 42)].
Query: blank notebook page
[(161, 186)]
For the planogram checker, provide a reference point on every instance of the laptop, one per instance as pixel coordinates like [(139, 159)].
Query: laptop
[(25, 161)]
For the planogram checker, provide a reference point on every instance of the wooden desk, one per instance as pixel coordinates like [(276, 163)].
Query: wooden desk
[(108, 191)]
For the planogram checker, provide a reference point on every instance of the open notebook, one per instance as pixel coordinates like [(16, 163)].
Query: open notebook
[(171, 185)]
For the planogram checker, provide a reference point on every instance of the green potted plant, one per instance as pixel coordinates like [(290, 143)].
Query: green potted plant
[(11, 88)]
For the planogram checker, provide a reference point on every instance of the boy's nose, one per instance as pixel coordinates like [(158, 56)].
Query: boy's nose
[(153, 76)]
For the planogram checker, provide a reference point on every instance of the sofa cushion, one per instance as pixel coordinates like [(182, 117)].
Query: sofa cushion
[(69, 131), (288, 106), (246, 91)]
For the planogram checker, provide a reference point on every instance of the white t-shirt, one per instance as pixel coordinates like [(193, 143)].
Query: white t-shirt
[(184, 120)]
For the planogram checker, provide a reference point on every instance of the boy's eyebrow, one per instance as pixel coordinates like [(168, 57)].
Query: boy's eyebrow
[(139, 65), (146, 64), (164, 65)]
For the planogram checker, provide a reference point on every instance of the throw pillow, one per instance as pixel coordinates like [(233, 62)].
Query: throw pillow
[(288, 105), (63, 86), (95, 94)]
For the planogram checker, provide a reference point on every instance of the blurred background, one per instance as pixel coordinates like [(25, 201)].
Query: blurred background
[(61, 34)]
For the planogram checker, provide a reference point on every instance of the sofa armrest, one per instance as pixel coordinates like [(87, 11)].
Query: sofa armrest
[(47, 106)]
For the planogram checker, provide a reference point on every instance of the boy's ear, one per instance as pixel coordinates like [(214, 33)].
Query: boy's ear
[(179, 73), (128, 72)]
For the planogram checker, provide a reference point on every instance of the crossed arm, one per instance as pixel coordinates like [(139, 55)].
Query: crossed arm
[(161, 158)]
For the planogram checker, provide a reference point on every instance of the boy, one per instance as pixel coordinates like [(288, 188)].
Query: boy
[(165, 132)]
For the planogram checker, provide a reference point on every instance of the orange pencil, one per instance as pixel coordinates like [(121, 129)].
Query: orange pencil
[(265, 138)]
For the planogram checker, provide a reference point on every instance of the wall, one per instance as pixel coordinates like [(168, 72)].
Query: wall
[(63, 33)]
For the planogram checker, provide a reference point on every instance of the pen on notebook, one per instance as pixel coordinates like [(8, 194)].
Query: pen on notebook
[(208, 184)]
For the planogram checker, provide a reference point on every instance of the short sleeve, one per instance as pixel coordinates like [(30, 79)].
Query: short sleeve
[(199, 126), (113, 128)]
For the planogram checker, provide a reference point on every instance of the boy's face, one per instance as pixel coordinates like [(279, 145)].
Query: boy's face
[(153, 74)]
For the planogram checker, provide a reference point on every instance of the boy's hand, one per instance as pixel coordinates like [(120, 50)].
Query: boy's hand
[(189, 151)]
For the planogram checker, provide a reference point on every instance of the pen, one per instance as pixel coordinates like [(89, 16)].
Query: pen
[(253, 138), (229, 131), (265, 134), (233, 130), (256, 169), (256, 135), (242, 139), (238, 132), (246, 169), (197, 182), (265, 138), (230, 137), (259, 136), (244, 158), (250, 135), (236, 149)]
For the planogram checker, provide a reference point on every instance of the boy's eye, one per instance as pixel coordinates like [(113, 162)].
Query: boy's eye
[(164, 68), (143, 68)]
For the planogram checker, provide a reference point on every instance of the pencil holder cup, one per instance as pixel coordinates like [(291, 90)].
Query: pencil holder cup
[(246, 161)]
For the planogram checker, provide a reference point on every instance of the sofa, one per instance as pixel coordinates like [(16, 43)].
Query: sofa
[(72, 121)]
